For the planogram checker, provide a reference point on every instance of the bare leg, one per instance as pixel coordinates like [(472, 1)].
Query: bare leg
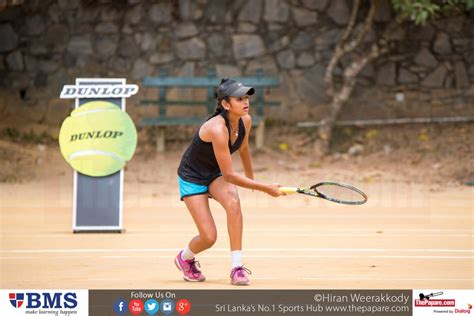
[(198, 206), (226, 194)]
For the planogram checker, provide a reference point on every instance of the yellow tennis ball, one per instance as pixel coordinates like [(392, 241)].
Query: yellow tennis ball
[(98, 138)]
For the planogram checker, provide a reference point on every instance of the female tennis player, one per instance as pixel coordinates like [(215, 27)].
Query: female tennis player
[(206, 171)]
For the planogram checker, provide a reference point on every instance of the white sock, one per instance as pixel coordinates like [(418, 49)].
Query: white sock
[(187, 254), (236, 258)]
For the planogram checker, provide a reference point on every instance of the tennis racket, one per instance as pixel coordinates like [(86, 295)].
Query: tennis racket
[(331, 191)]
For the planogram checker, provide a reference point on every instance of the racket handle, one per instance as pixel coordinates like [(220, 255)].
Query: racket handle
[(288, 190)]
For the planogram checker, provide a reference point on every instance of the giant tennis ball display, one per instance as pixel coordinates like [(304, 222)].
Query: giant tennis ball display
[(98, 138)]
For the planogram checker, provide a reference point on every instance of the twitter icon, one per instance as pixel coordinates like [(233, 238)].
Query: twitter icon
[(152, 306)]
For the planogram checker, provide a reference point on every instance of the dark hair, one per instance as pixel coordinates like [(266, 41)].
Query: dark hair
[(219, 108)]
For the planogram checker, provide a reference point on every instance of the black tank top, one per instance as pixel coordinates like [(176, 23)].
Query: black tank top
[(198, 164)]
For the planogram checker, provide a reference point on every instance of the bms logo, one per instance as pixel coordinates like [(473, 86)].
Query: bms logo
[(44, 300), (16, 299)]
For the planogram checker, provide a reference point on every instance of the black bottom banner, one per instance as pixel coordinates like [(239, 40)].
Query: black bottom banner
[(250, 302)]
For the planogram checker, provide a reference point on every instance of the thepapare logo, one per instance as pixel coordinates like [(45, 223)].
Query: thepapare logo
[(98, 91), (96, 134), (44, 300), (16, 299)]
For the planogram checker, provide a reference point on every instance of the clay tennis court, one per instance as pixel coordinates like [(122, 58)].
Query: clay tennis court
[(409, 234)]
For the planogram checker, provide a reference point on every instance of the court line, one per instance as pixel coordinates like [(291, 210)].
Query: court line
[(383, 279), (253, 256), (131, 250), (283, 232)]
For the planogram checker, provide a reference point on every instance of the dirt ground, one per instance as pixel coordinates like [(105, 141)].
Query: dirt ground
[(416, 231)]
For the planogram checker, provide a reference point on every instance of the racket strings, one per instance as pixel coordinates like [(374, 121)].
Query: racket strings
[(340, 193)]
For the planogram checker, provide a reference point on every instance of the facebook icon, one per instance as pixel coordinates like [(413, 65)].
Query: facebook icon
[(120, 306)]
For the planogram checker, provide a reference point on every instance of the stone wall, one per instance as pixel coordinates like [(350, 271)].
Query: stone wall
[(46, 44)]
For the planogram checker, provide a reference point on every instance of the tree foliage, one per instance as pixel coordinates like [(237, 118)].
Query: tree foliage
[(419, 11)]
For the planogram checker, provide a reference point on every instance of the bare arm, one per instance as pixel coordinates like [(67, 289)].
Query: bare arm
[(220, 138), (244, 151)]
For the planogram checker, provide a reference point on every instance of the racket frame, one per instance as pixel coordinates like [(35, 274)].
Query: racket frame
[(313, 191)]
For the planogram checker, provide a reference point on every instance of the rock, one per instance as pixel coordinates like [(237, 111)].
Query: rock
[(355, 150), (384, 12), (80, 45), (110, 13), (305, 60), (128, 47), (471, 70), (251, 11), (327, 39), (267, 64), (8, 38), (216, 44), (161, 58), (279, 43), (367, 72), (148, 42), (311, 86), (191, 49), (304, 17), (275, 26), (187, 70), (48, 66), (15, 61), (134, 15), (319, 5), (106, 46), (424, 32), (227, 71), (461, 77), (455, 25), (386, 74), (302, 41), (68, 4), (339, 12), (160, 13), (276, 11), (184, 30), (35, 25), (107, 28), (461, 45), (442, 45), (425, 58), (247, 46), (404, 76), (2, 65), (56, 34), (247, 28), (141, 69), (216, 11), (120, 64), (436, 78), (187, 9), (398, 35), (286, 59)]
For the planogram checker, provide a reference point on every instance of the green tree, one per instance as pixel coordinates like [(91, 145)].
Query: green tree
[(339, 89)]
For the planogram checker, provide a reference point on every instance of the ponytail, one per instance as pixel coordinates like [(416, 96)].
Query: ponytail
[(219, 108)]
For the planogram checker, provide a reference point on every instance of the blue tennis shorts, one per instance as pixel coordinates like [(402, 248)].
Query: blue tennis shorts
[(188, 188)]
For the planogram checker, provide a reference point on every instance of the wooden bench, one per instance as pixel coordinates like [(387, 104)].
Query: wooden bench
[(164, 83)]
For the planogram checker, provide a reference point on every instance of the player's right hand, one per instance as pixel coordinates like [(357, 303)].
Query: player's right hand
[(273, 190)]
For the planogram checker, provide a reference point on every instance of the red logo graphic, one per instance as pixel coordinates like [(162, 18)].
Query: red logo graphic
[(464, 311), (183, 306), (435, 303), (136, 307)]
